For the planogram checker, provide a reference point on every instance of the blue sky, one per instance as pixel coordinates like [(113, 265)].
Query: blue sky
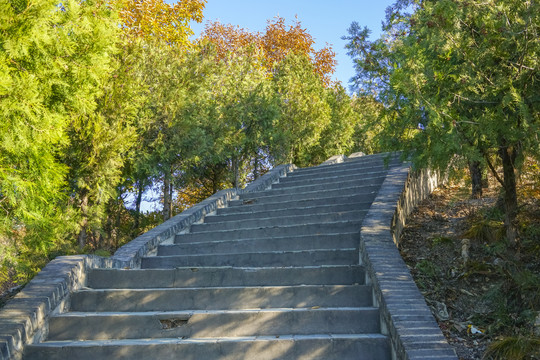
[(327, 21)]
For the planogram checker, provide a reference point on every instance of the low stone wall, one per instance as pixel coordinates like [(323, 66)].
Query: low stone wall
[(405, 316), (24, 318)]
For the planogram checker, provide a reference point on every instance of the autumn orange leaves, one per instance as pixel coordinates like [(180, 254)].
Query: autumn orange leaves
[(273, 45), (156, 19)]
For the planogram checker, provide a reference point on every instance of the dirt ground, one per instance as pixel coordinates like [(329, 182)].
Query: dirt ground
[(454, 273)]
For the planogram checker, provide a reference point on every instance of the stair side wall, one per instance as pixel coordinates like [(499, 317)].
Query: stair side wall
[(405, 316)]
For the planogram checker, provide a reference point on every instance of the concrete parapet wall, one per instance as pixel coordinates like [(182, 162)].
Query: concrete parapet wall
[(336, 159), (405, 316), (418, 185), (24, 318)]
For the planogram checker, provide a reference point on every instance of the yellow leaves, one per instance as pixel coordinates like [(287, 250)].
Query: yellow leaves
[(155, 19)]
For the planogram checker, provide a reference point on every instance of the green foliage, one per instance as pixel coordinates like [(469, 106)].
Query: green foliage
[(337, 137), (428, 268), (54, 60), (441, 240), (489, 231), (460, 85), (513, 300), (304, 110), (514, 348), (368, 126)]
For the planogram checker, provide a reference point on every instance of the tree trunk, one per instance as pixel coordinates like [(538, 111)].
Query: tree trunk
[(84, 222), (117, 224), (136, 224), (167, 201), (235, 172), (508, 157), (256, 168), (475, 171)]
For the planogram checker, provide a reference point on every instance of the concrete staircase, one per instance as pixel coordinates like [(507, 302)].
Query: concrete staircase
[(274, 275)]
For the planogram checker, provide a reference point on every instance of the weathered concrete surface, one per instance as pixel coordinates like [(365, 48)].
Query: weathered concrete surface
[(225, 276), (253, 259), (213, 324), (221, 298), (287, 243), (321, 347)]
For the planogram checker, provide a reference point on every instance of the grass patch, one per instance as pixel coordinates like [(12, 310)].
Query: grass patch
[(514, 348)]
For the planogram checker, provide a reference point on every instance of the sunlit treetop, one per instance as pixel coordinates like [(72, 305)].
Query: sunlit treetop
[(229, 38), (155, 19), (277, 41)]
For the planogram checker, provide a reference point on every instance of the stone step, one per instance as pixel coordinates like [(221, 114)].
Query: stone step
[(351, 188), (210, 324), (221, 298), (369, 191), (323, 176), (225, 276), (292, 243), (302, 188), (279, 220), (268, 232), (231, 214), (298, 205), (313, 347), (288, 181), (366, 159), (254, 259), (374, 157), (345, 166)]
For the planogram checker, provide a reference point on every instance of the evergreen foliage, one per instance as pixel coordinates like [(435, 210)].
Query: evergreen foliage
[(101, 101), (459, 79), (54, 60)]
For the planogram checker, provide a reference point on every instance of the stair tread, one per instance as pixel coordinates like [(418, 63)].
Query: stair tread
[(261, 252), (266, 194), (222, 288), (209, 340), (332, 213), (348, 233), (211, 312), (336, 222)]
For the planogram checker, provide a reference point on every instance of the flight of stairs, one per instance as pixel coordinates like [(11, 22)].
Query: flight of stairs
[(274, 275)]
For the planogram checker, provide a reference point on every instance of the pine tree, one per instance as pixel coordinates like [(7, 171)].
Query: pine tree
[(304, 111), (53, 59)]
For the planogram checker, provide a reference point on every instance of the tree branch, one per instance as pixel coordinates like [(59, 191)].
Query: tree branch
[(492, 168)]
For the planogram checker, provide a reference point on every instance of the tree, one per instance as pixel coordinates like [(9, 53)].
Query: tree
[(367, 132), (159, 25), (99, 143), (239, 107), (277, 41), (337, 137), (464, 80), (53, 59), (246, 108), (304, 109), (157, 20)]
